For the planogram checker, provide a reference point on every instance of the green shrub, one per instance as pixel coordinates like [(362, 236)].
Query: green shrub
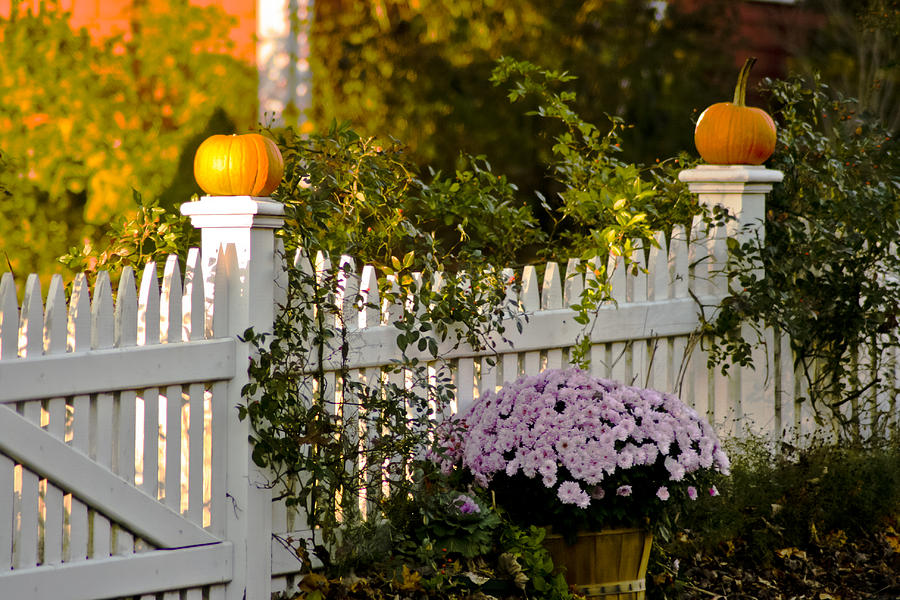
[(149, 234), (793, 499), (347, 194), (830, 239), (438, 537)]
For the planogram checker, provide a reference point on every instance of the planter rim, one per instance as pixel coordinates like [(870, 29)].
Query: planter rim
[(614, 530)]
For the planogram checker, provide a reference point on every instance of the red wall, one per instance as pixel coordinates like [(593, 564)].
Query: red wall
[(772, 32), (775, 32)]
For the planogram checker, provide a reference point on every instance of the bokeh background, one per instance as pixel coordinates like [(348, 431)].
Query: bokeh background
[(103, 102)]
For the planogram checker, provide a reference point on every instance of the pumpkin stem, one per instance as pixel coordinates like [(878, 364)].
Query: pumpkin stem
[(740, 90)]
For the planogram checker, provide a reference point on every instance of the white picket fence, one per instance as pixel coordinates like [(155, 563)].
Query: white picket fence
[(115, 442), (125, 472), (646, 338)]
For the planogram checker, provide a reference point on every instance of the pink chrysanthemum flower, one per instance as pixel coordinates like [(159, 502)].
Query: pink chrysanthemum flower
[(571, 493), (570, 432)]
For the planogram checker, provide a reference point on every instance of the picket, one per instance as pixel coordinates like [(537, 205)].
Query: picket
[(509, 362), (657, 372), (9, 318), (218, 323), (7, 504), (31, 320), (529, 303), (148, 404), (79, 340), (54, 343), (370, 315), (573, 283), (102, 336), (640, 289), (659, 284), (170, 436), (194, 439), (348, 285)]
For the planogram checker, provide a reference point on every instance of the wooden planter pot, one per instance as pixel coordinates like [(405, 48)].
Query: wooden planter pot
[(610, 564)]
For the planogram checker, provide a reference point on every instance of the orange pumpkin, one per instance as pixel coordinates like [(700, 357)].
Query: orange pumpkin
[(238, 165), (731, 133)]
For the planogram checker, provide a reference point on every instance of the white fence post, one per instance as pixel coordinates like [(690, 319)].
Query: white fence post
[(742, 189), (248, 224)]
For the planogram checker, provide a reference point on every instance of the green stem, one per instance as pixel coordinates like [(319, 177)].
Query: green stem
[(740, 90)]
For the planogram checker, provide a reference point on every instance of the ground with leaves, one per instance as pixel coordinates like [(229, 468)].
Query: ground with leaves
[(820, 523), (835, 568)]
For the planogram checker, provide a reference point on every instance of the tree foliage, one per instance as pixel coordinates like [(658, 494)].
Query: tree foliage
[(84, 121), (349, 194), (417, 70), (857, 51)]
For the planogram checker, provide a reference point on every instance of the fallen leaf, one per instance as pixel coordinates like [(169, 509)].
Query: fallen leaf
[(476, 578), (510, 565), (893, 539), (411, 580), (791, 553)]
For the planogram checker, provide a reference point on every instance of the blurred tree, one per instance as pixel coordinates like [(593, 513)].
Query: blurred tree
[(857, 51), (418, 70), (84, 121)]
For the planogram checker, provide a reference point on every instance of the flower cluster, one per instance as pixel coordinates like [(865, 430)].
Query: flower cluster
[(466, 505), (587, 440)]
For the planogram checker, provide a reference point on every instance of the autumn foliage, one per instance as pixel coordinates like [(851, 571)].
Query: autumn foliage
[(85, 121)]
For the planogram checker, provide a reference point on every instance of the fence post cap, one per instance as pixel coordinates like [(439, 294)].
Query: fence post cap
[(730, 174), (234, 211)]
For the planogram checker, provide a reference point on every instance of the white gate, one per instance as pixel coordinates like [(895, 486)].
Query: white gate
[(111, 440)]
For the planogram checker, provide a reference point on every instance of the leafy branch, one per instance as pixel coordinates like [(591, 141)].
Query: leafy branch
[(828, 258)]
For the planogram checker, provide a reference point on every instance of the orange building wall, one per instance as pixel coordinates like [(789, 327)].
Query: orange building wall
[(104, 18)]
